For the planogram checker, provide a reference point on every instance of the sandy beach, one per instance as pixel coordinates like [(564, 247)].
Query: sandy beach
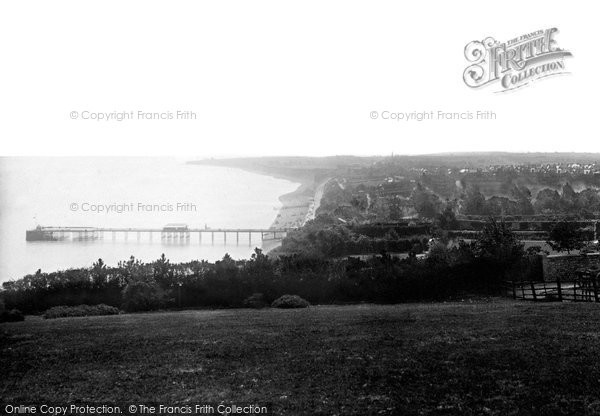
[(298, 207), (301, 205)]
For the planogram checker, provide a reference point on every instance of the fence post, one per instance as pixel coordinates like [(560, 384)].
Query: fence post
[(595, 286), (559, 288), (514, 289), (545, 290), (533, 290)]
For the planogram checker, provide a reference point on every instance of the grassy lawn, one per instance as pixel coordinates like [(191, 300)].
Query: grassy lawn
[(497, 358)]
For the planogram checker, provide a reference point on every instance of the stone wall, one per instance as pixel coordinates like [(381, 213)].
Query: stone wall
[(565, 265)]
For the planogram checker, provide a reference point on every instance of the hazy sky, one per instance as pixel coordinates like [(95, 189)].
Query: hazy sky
[(277, 77)]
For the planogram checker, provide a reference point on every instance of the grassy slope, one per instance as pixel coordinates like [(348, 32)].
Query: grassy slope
[(482, 358)]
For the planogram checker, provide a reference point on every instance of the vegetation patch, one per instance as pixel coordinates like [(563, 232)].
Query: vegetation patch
[(142, 296), (290, 302), (81, 310)]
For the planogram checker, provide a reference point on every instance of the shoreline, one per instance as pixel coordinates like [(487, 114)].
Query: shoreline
[(297, 208)]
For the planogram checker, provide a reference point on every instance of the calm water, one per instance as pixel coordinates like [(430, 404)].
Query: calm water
[(43, 190)]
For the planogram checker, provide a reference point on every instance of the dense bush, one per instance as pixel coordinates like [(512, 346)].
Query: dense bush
[(80, 310), (318, 240), (142, 296), (256, 301), (290, 302), (14, 315)]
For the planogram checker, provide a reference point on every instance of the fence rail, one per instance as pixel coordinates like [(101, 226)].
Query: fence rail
[(584, 288)]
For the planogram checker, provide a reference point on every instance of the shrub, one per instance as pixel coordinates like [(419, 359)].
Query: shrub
[(142, 296), (14, 315), (256, 300), (290, 301), (80, 310)]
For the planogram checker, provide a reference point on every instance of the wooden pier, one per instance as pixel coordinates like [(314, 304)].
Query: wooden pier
[(168, 233)]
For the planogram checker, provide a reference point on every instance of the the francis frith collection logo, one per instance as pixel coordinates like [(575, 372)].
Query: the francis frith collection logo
[(516, 63)]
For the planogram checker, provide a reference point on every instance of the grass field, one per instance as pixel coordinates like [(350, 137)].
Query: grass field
[(498, 358)]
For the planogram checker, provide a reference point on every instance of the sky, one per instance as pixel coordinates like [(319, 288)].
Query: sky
[(283, 78)]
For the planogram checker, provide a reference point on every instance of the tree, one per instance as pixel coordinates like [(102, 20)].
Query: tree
[(547, 200), (522, 196), (426, 203), (447, 219), (394, 206), (566, 236), (142, 296), (498, 243), (163, 272), (500, 205), (259, 272), (226, 267), (568, 199), (588, 202), (99, 273), (474, 201)]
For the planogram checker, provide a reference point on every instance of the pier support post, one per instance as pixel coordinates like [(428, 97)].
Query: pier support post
[(224, 238), (237, 238), (212, 237)]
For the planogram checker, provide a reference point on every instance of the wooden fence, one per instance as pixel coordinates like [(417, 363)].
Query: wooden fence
[(584, 288)]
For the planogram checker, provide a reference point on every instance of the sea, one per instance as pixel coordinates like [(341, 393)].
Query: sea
[(123, 192)]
